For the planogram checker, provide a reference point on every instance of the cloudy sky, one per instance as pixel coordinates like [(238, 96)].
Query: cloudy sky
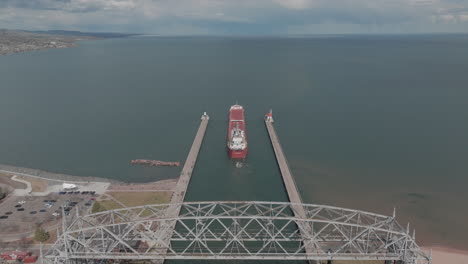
[(238, 17)]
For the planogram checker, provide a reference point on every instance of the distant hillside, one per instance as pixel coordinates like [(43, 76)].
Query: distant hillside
[(15, 41), (84, 34)]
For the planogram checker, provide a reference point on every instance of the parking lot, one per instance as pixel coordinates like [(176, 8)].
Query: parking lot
[(21, 213)]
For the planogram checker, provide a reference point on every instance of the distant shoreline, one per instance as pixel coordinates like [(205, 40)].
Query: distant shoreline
[(18, 41), (12, 42)]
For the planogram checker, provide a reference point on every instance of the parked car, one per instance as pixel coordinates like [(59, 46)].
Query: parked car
[(33, 212), (18, 205), (22, 202), (56, 214), (20, 209), (8, 213), (4, 217), (42, 210)]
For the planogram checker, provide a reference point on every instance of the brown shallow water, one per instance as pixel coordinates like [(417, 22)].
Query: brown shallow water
[(437, 215)]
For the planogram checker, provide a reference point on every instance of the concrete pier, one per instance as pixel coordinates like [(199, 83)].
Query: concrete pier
[(165, 231), (186, 173), (293, 193)]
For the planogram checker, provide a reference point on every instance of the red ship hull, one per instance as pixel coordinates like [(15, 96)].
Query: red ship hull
[(237, 134), (237, 154)]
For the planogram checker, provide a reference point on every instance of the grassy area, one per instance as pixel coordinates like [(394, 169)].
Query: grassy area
[(37, 185), (131, 199), (358, 262), (141, 198), (53, 236), (6, 179), (355, 262), (104, 205), (51, 240)]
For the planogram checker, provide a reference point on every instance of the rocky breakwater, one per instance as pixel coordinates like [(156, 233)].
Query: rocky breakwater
[(155, 163)]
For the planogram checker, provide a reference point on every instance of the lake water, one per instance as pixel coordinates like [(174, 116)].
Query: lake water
[(367, 122)]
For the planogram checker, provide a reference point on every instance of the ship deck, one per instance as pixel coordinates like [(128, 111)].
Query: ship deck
[(236, 118)]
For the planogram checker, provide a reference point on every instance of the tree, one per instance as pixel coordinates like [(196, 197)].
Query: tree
[(41, 235)]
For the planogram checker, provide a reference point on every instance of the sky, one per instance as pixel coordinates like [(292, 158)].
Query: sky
[(238, 17)]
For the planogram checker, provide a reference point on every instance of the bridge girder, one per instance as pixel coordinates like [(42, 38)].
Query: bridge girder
[(235, 230)]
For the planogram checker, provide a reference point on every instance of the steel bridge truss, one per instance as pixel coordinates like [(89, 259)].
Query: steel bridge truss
[(235, 230)]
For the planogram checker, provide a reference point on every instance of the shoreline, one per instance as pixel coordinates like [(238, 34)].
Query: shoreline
[(61, 177), (442, 255), (16, 41), (21, 41), (446, 249), (20, 51), (52, 176)]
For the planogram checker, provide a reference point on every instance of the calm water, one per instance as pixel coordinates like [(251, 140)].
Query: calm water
[(367, 122)]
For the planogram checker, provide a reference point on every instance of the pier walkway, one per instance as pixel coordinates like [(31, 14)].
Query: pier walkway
[(186, 173), (310, 245), (166, 229)]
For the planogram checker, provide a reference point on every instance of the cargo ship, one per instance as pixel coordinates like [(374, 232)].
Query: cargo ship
[(237, 136)]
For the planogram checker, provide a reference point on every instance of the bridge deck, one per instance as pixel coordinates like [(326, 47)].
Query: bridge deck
[(234, 230), (291, 189)]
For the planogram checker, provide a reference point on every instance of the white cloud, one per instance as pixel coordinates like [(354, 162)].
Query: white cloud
[(295, 4), (226, 16)]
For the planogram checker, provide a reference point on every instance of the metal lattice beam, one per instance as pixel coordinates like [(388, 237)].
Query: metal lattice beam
[(235, 230)]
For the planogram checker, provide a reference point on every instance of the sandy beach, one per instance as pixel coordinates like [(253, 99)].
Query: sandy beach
[(441, 255)]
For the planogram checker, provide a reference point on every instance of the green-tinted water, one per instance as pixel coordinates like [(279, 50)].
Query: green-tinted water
[(366, 122)]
